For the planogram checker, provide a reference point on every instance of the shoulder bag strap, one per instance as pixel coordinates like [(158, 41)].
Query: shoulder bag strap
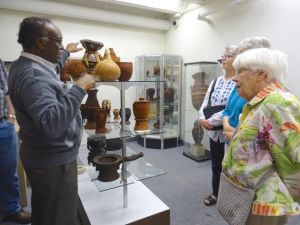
[(211, 91)]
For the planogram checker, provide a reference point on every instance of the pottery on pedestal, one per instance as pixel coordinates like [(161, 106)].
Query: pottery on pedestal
[(100, 118), (198, 90), (107, 69), (91, 56), (89, 108), (141, 110), (126, 70)]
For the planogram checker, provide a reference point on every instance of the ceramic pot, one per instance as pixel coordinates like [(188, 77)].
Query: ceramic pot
[(126, 70), (156, 70), (108, 165), (74, 68), (198, 90), (116, 113), (100, 118), (141, 110), (169, 94), (150, 93), (106, 104), (91, 56), (197, 132), (127, 115), (107, 70)]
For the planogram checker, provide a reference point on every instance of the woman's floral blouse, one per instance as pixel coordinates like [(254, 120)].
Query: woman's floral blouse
[(269, 132)]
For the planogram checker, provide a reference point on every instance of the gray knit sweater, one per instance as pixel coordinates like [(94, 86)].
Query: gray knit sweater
[(47, 112)]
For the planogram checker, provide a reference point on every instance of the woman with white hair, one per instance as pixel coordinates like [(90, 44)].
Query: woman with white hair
[(268, 136), (217, 94), (236, 103)]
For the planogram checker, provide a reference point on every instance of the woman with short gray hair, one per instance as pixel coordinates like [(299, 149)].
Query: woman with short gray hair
[(267, 137)]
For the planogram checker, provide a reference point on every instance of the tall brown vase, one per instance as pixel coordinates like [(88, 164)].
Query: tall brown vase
[(89, 108), (107, 69), (141, 110), (198, 90)]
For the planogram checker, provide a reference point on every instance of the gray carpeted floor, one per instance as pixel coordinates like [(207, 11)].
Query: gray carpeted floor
[(183, 187)]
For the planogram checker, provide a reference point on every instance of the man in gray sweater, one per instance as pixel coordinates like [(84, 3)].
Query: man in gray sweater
[(50, 122)]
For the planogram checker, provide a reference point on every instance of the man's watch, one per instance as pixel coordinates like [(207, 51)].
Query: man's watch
[(12, 116)]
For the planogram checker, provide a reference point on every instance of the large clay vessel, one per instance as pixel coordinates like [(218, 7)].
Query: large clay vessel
[(91, 56), (141, 110), (107, 69), (126, 70), (198, 90)]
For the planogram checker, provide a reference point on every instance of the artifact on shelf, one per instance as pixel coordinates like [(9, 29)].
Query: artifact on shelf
[(96, 145), (91, 56), (100, 117), (73, 68), (127, 115), (106, 104), (89, 108), (113, 144), (113, 55), (141, 110), (150, 93), (169, 93), (157, 124), (116, 113), (126, 70), (198, 90), (107, 69), (108, 165)]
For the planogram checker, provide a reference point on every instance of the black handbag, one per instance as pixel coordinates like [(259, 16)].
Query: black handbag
[(209, 110)]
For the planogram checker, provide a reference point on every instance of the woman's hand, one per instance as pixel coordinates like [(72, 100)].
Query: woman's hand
[(205, 124)]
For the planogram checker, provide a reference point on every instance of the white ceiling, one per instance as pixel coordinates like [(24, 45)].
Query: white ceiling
[(153, 14)]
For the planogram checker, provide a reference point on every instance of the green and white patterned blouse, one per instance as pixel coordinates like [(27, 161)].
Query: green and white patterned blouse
[(269, 132)]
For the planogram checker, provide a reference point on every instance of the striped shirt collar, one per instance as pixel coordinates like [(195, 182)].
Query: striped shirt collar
[(40, 60)]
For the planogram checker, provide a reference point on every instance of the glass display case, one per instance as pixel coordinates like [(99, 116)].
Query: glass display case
[(164, 97), (198, 76)]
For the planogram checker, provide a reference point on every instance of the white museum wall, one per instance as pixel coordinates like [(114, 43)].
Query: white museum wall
[(128, 42), (204, 41), (199, 40)]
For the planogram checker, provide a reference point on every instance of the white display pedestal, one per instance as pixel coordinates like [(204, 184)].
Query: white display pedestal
[(106, 208)]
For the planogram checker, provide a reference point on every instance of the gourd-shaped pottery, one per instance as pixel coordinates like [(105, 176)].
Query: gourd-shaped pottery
[(150, 93), (126, 70), (107, 70), (106, 104), (198, 90), (113, 55), (91, 56), (141, 110), (100, 118)]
